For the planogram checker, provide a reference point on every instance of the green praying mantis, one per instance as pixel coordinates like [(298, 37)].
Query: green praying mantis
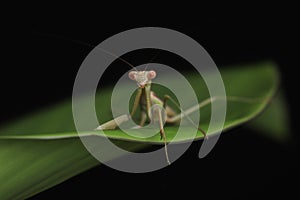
[(151, 107)]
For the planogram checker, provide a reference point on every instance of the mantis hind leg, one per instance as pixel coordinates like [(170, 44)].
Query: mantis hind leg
[(158, 115), (183, 114), (113, 124)]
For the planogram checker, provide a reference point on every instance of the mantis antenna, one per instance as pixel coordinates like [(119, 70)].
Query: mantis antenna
[(89, 45), (152, 60)]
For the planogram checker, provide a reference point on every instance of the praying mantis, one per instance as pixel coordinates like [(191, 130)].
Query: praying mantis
[(151, 107)]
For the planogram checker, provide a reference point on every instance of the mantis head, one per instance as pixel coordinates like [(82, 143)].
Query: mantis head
[(142, 78)]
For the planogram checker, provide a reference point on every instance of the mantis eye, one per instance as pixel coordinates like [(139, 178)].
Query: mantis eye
[(132, 75), (151, 75)]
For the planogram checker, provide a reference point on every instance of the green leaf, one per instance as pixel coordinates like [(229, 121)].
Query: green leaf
[(43, 149), (274, 122)]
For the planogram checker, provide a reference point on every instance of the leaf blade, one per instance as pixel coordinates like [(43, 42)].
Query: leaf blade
[(30, 145)]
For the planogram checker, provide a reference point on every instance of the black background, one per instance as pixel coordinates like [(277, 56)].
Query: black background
[(243, 163)]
